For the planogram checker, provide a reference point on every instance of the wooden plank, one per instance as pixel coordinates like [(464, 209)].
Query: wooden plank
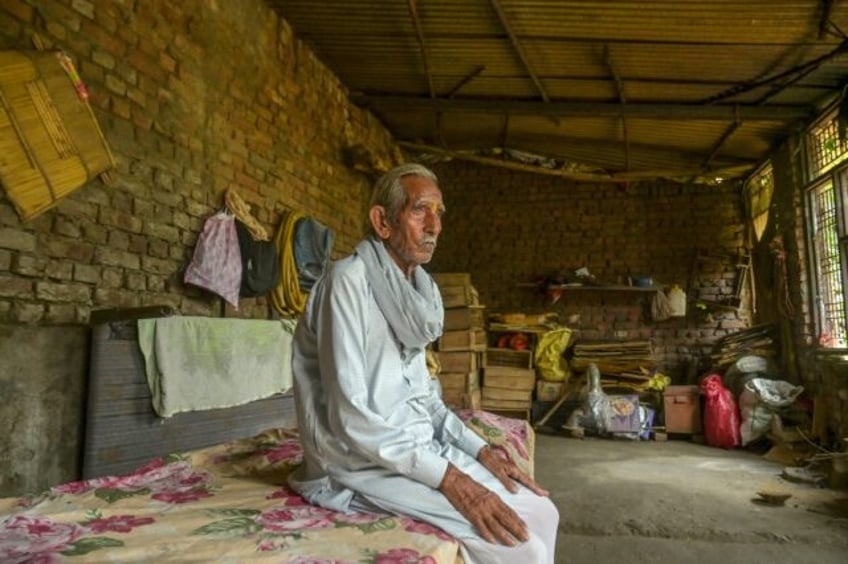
[(509, 377), (470, 317), (463, 340)]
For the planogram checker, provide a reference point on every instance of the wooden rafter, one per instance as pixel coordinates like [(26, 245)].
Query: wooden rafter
[(516, 44), (574, 175), (619, 87), (671, 111)]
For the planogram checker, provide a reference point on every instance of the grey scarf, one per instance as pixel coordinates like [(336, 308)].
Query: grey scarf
[(413, 309)]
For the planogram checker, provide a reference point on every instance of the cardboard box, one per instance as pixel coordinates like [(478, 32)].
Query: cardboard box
[(682, 409), (624, 414)]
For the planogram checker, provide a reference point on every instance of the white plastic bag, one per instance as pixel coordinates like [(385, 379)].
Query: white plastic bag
[(759, 402)]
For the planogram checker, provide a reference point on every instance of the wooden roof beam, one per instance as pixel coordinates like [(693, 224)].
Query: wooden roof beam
[(519, 49), (671, 111)]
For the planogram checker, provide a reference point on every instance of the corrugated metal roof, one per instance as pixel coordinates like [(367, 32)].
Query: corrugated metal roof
[(571, 79)]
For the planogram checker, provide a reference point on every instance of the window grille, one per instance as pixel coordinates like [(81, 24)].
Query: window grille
[(830, 297), (824, 148)]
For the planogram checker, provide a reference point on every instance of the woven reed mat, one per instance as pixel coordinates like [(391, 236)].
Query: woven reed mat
[(50, 142)]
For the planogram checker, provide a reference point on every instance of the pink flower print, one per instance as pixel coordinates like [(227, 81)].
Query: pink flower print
[(357, 518), (425, 529), (150, 466), (177, 496), (295, 518), (288, 496), (117, 524), (287, 451), (23, 537), (402, 556)]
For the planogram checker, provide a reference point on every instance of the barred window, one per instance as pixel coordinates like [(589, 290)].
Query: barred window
[(825, 149), (829, 249)]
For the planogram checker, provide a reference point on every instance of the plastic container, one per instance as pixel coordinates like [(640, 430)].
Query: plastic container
[(677, 301)]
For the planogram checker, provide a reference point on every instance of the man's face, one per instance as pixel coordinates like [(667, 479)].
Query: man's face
[(411, 239)]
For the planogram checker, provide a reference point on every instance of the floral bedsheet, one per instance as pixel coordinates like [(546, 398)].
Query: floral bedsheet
[(227, 503)]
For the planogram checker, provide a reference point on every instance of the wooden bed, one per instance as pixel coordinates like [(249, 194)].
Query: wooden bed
[(206, 486)]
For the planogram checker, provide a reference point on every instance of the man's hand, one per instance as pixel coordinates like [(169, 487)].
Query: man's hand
[(494, 519), (504, 469)]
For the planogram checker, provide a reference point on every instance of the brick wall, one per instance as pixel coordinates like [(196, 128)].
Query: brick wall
[(189, 109), (193, 97), (509, 228)]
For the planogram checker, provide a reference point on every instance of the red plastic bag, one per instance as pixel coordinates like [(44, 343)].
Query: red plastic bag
[(721, 414)]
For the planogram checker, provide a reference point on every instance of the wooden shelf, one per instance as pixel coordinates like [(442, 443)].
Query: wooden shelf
[(569, 287)]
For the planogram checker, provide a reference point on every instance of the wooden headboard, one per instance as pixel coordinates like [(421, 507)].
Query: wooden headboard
[(123, 432)]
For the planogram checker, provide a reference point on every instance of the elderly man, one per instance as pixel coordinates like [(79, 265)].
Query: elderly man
[(376, 435)]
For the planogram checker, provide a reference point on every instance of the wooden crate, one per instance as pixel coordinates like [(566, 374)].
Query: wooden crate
[(459, 296), (452, 278), (470, 317), (506, 405), (460, 361), (509, 377), (509, 357), (454, 398), (467, 381), (463, 340), (491, 393)]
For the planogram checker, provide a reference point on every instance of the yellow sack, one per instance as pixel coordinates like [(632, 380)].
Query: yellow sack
[(548, 355)]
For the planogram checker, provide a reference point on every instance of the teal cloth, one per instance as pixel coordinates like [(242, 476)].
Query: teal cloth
[(197, 363)]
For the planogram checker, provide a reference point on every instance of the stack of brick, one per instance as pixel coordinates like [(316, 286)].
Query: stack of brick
[(462, 346)]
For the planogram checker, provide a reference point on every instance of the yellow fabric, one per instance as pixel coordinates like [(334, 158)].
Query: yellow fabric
[(287, 298), (548, 355)]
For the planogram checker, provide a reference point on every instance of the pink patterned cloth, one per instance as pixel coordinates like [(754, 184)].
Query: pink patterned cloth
[(216, 264)]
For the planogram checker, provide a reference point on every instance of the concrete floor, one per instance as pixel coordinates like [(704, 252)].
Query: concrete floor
[(677, 501)]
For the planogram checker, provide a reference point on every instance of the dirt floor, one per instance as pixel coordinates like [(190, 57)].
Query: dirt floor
[(677, 501)]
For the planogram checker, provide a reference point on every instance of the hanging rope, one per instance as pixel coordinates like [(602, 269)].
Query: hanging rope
[(784, 300), (287, 298), (241, 210)]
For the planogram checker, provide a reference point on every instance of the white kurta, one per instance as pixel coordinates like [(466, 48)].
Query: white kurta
[(372, 422)]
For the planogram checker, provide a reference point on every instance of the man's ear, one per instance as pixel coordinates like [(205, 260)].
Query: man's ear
[(379, 221)]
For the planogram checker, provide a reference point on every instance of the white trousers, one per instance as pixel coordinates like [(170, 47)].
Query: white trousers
[(542, 520)]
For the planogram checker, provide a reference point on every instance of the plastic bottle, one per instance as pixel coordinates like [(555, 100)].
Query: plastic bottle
[(677, 301)]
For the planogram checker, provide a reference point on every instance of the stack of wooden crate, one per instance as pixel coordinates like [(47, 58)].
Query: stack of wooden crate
[(462, 346), (509, 376)]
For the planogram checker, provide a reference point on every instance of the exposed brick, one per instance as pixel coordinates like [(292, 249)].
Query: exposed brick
[(86, 273), (114, 257), (27, 265), (15, 287), (23, 312), (68, 292), (16, 239)]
